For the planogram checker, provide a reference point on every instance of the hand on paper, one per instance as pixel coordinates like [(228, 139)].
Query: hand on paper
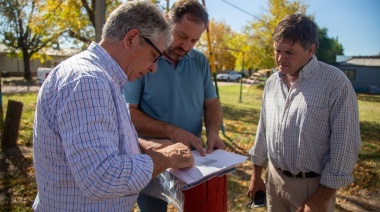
[(187, 138), (179, 155), (214, 142), (167, 156)]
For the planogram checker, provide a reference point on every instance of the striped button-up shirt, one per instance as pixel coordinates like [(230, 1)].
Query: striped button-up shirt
[(313, 126), (86, 152)]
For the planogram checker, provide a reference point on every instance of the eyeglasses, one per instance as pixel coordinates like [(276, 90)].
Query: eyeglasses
[(155, 48)]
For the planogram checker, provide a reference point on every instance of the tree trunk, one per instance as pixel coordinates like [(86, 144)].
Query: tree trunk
[(26, 60), (100, 18)]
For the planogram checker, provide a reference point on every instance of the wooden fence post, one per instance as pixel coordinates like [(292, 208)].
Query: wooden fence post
[(11, 125)]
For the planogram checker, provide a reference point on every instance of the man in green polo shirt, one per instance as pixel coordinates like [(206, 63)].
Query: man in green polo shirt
[(172, 102)]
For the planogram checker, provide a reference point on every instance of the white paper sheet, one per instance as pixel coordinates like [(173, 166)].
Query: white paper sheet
[(218, 163)]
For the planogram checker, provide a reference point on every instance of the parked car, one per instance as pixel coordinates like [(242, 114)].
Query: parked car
[(229, 76), (42, 73)]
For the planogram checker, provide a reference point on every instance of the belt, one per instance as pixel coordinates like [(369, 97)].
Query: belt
[(299, 175)]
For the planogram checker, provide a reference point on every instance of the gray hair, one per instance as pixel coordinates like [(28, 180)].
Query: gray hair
[(297, 27), (193, 8), (139, 14)]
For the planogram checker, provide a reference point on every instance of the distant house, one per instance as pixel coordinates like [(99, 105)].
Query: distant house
[(363, 71), (14, 66)]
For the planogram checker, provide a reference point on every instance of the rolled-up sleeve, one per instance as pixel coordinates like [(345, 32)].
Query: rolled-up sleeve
[(345, 139), (259, 152)]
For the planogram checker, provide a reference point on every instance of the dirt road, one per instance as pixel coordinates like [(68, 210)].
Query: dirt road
[(12, 89)]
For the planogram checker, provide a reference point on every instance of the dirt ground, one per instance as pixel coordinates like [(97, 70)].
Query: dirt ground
[(14, 85), (363, 202)]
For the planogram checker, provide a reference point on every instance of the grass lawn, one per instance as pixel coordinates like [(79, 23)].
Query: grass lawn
[(241, 115)]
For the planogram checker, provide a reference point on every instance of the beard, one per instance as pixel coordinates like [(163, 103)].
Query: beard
[(176, 53)]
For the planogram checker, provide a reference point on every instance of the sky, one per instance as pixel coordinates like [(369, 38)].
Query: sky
[(356, 23)]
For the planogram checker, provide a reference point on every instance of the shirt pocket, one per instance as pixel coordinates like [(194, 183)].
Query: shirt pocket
[(317, 112)]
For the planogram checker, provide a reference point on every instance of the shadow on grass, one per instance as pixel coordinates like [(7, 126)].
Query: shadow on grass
[(370, 133), (5, 194), (369, 97), (247, 116), (231, 112), (6, 157), (14, 176)]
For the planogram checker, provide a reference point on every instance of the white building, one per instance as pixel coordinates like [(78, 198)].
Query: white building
[(14, 66)]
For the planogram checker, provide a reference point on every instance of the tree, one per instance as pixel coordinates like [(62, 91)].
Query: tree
[(76, 18), (328, 48), (259, 35), (24, 30), (220, 35), (259, 32)]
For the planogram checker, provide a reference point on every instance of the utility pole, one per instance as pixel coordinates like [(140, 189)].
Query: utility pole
[(242, 72)]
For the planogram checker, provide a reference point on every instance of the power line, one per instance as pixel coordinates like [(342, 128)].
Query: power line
[(238, 8)]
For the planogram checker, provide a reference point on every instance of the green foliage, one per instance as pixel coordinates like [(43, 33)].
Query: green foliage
[(76, 18), (219, 32), (259, 32), (24, 30), (256, 39), (328, 48)]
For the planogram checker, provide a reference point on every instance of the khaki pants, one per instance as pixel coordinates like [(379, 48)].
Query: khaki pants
[(287, 193)]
